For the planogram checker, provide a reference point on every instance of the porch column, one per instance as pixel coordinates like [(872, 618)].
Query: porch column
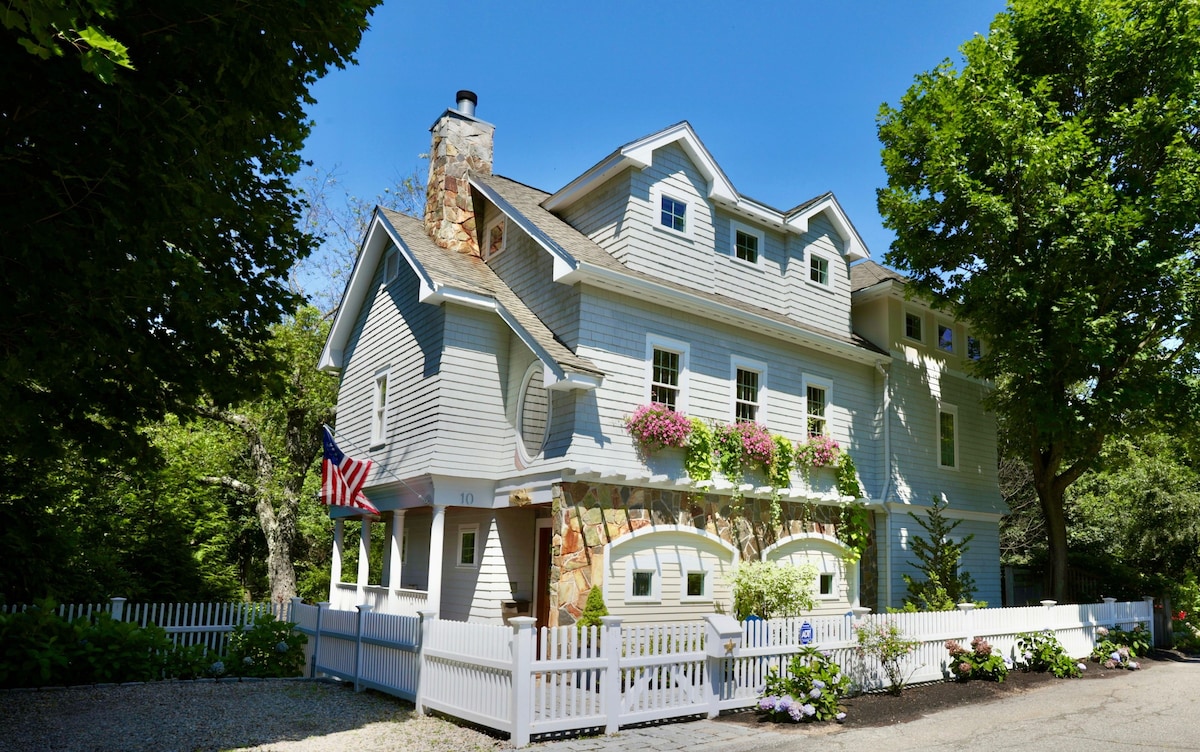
[(364, 560), (437, 543), (335, 569), (392, 566)]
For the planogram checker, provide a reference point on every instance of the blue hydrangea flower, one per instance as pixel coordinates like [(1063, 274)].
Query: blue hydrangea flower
[(815, 693), (818, 684), (281, 647), (840, 717), (217, 668), (1116, 656), (796, 712), (767, 703), (808, 710)]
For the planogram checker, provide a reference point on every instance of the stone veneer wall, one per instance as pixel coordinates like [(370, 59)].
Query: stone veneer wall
[(589, 515), (461, 145)]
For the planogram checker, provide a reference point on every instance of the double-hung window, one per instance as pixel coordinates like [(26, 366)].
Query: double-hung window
[(816, 406), (749, 389), (912, 326), (945, 340), (974, 351), (818, 270), (667, 375), (468, 546)]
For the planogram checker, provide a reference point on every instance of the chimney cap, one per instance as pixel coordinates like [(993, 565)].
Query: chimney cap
[(466, 100)]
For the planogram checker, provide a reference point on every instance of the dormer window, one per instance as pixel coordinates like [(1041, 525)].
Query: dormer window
[(818, 270), (391, 266), (674, 214), (945, 340)]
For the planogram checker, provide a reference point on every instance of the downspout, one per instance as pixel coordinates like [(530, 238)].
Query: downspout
[(887, 483)]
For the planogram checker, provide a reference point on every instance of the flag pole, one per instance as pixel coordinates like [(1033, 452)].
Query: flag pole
[(359, 450)]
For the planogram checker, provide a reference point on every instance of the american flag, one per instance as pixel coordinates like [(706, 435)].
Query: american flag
[(342, 478)]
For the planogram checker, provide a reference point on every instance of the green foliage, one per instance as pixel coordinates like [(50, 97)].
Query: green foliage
[(1116, 647), (884, 642), (847, 477), (1068, 131), (701, 446), (593, 609), (269, 648), (980, 662), (147, 253), (780, 472), (1042, 652), (770, 590), (943, 586), (854, 529), (187, 662), (811, 689)]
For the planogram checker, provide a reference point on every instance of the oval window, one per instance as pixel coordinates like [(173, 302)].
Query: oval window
[(533, 413)]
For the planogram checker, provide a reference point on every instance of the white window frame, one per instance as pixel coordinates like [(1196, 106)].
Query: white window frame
[(657, 194), (806, 381), (643, 563), (486, 252), (736, 363), (951, 410), (828, 283), (463, 531), (689, 566), (380, 389), (761, 237), (938, 327), (391, 265), (653, 342), (904, 326), (833, 587), (529, 373)]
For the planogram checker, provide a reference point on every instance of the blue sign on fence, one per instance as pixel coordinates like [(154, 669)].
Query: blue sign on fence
[(806, 633)]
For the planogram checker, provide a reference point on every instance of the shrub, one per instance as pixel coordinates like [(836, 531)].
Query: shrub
[(938, 556), (656, 426), (187, 662), (1042, 652), (811, 690), (1116, 648), (884, 642), (980, 662), (593, 609), (766, 589), (269, 648)]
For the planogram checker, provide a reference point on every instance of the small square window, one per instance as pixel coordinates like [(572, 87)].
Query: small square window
[(825, 585), (746, 246), (674, 214), (945, 338), (695, 584), (643, 585), (818, 270), (974, 351), (912, 326)]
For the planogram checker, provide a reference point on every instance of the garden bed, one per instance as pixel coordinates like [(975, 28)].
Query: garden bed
[(882, 709)]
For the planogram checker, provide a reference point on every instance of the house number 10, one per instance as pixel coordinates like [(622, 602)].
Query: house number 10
[(468, 499)]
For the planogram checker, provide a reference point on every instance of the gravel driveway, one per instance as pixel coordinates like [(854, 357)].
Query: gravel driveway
[(277, 715)]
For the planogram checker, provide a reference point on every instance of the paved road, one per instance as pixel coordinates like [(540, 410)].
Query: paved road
[(1157, 709)]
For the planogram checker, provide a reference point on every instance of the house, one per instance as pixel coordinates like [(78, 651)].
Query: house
[(490, 353)]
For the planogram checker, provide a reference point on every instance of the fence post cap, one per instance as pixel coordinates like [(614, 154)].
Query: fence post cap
[(1048, 603), (322, 604), (1107, 599), (966, 607), (428, 615), (860, 611), (118, 599), (522, 622), (611, 621), (364, 607)]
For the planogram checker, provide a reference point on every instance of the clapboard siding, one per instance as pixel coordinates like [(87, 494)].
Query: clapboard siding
[(396, 332), (602, 214), (981, 560), (826, 308), (671, 554), (613, 334)]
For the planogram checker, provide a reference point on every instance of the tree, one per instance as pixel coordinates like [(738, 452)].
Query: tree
[(1047, 193), (148, 224), (944, 586)]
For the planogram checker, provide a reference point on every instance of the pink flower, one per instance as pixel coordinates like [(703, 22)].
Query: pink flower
[(656, 426)]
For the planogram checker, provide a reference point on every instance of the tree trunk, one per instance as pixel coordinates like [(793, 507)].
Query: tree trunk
[(1050, 495), (279, 529)]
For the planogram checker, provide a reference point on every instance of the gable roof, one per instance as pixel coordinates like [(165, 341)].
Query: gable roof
[(868, 274), (577, 258), (449, 276), (640, 153)]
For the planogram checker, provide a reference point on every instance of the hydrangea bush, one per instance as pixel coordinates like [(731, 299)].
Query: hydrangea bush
[(656, 426), (811, 690), (980, 662), (1042, 652), (1116, 648)]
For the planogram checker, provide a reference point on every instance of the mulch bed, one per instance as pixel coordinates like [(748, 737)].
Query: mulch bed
[(882, 709)]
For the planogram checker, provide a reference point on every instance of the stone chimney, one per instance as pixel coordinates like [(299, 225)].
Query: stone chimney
[(462, 145)]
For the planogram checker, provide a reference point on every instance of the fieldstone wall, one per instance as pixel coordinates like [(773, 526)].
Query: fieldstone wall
[(589, 515), (461, 145)]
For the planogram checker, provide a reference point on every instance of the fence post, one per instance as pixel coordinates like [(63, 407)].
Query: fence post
[(363, 610), (316, 652), (427, 620), (1050, 604), (968, 620), (1110, 611), (118, 608), (1149, 601), (610, 681), (522, 678)]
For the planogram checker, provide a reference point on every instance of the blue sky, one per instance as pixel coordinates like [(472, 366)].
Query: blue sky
[(783, 94)]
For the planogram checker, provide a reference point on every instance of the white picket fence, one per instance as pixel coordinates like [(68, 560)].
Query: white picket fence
[(528, 682), (208, 624)]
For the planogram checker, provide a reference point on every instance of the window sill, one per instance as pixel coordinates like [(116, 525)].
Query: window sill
[(819, 286)]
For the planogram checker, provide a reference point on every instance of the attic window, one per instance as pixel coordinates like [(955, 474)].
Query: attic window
[(818, 270), (494, 238), (391, 266), (912, 326), (945, 341), (746, 246), (674, 214)]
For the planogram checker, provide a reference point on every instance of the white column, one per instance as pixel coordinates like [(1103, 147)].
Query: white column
[(364, 560), (392, 567), (437, 544), (335, 569)]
